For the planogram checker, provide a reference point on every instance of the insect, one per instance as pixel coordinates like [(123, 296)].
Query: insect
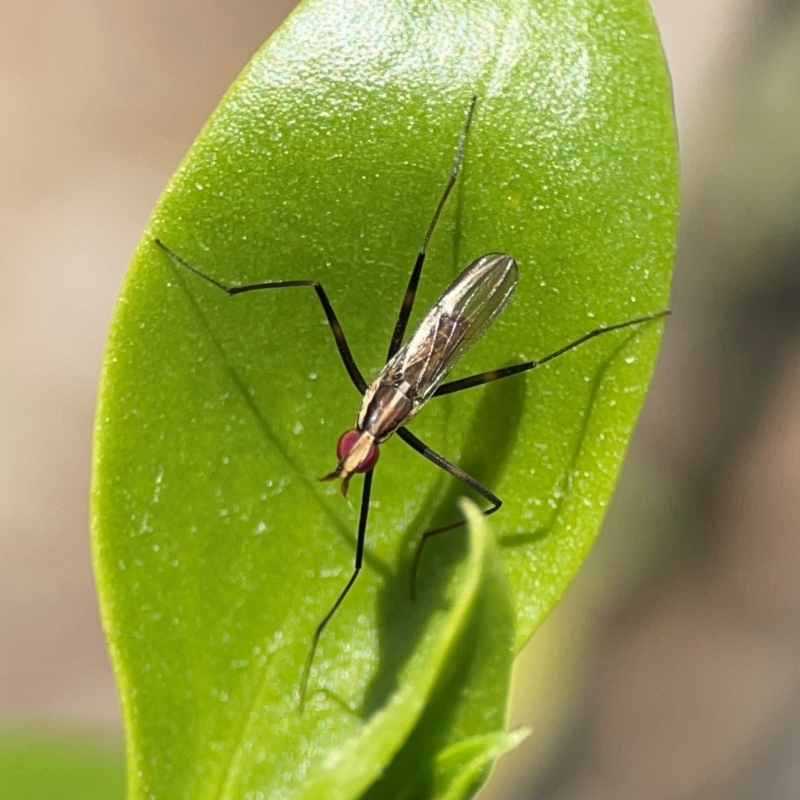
[(415, 372)]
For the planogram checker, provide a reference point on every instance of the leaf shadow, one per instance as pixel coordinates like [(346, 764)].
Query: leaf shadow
[(512, 540), (488, 446)]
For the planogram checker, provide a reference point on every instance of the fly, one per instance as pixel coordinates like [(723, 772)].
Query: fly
[(415, 372)]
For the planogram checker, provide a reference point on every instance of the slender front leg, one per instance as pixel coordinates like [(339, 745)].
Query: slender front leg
[(413, 282), (456, 472), (362, 533), (505, 372), (338, 334)]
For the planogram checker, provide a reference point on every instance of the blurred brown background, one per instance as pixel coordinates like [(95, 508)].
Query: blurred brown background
[(672, 668)]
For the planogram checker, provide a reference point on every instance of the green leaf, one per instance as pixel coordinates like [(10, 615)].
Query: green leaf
[(357, 763), (462, 768), (461, 732), (217, 551), (36, 765)]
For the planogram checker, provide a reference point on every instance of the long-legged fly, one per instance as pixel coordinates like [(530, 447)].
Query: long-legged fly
[(415, 371)]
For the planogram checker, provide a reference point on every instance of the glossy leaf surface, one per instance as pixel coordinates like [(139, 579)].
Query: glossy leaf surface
[(217, 549)]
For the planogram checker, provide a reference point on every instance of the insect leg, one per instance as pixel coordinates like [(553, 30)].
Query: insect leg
[(338, 334), (413, 282), (362, 532), (505, 372), (456, 472)]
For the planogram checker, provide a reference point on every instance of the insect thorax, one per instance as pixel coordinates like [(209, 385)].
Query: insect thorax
[(385, 408)]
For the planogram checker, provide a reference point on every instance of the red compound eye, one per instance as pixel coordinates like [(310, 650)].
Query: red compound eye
[(346, 444)]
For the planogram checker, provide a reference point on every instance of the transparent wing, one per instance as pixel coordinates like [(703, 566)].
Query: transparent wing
[(457, 320)]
